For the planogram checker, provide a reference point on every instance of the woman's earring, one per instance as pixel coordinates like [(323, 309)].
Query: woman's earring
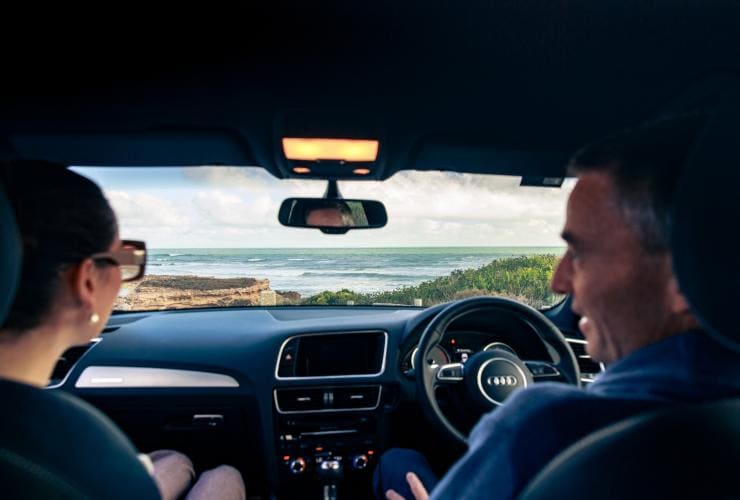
[(94, 318)]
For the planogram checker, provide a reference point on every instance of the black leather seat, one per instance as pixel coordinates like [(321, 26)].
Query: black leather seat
[(10, 255), (53, 445), (692, 451)]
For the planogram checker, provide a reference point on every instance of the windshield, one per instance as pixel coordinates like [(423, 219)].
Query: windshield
[(214, 239)]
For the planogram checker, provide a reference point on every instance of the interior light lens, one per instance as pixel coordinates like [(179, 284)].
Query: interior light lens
[(302, 149), (301, 170), (361, 171)]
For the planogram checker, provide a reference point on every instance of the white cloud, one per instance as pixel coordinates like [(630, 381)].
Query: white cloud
[(237, 207), (143, 209)]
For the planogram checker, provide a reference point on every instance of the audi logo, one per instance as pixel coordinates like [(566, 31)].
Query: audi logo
[(502, 380)]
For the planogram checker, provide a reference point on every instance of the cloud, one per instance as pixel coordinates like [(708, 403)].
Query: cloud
[(237, 207), (143, 209)]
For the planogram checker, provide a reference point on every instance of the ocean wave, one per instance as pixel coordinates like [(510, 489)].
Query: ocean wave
[(361, 274), (255, 260)]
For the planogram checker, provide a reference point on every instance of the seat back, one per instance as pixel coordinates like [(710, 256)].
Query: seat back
[(10, 255), (706, 215), (53, 445), (688, 453)]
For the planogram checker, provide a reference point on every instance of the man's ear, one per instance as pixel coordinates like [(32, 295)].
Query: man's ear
[(676, 300)]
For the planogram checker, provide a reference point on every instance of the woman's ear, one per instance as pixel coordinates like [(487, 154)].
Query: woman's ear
[(84, 284)]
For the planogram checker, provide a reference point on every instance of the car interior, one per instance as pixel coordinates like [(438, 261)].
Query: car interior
[(303, 400)]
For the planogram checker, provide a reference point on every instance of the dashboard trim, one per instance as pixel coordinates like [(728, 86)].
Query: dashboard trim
[(129, 377)]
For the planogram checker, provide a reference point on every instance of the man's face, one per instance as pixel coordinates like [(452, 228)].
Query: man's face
[(619, 290), (331, 217)]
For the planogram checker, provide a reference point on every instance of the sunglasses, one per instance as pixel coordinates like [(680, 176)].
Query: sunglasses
[(131, 259)]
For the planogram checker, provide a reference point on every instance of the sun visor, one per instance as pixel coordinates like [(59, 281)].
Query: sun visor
[(148, 148), (489, 159)]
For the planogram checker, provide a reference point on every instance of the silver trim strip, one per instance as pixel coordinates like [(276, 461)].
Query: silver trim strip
[(480, 378), (329, 433), (291, 412), (502, 346), (585, 357), (127, 377), (576, 341), (93, 342), (325, 377)]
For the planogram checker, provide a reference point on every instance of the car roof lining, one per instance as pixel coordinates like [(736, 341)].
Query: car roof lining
[(510, 87)]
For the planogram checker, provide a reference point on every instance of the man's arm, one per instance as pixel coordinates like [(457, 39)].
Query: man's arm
[(512, 443)]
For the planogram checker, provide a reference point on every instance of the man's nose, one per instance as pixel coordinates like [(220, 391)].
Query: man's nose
[(561, 278)]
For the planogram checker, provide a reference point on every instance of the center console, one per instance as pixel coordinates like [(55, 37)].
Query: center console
[(328, 413)]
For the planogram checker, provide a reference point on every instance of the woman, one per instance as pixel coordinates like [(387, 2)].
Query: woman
[(73, 266)]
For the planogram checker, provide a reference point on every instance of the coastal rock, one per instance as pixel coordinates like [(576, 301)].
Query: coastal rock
[(288, 297), (184, 292)]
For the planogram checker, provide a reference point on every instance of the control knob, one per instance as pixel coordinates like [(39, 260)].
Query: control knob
[(297, 466), (359, 462)]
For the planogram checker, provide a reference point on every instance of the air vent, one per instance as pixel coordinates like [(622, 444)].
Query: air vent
[(355, 397), (299, 400), (589, 368), (68, 360), (327, 399)]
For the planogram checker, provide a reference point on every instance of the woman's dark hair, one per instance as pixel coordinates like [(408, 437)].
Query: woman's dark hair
[(62, 218)]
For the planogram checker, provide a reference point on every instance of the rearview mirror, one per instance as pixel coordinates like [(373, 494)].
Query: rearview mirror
[(332, 215)]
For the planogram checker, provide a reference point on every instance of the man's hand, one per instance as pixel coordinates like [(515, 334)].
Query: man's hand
[(420, 493)]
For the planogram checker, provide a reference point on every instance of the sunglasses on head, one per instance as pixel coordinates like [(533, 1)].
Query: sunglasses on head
[(130, 258)]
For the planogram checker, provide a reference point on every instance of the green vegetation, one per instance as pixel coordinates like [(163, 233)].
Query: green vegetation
[(524, 278)]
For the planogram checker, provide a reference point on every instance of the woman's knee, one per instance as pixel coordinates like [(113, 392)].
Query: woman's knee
[(223, 482)]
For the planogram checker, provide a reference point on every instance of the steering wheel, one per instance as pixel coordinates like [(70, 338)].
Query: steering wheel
[(489, 377)]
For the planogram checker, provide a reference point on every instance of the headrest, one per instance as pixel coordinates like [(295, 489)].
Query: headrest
[(10, 255), (707, 215)]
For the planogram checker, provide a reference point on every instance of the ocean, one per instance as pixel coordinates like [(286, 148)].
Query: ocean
[(311, 270)]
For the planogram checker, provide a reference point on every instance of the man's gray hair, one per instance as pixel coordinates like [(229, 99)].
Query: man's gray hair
[(645, 164)]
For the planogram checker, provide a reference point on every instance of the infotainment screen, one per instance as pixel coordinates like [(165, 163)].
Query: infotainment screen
[(358, 353)]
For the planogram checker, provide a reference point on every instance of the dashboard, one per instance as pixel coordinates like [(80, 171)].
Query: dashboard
[(460, 346), (288, 395)]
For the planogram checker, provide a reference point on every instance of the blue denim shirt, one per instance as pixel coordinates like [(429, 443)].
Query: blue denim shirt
[(510, 445)]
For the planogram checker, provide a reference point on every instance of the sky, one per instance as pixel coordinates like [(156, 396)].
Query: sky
[(237, 207)]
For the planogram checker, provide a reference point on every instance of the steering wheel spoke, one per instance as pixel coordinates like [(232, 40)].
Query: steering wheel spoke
[(543, 371), (449, 374)]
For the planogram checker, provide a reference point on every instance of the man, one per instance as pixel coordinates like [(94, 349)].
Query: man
[(335, 215), (617, 269)]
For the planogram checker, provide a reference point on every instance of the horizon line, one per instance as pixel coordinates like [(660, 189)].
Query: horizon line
[(354, 248)]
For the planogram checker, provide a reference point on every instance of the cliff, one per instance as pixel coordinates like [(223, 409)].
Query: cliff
[(185, 292)]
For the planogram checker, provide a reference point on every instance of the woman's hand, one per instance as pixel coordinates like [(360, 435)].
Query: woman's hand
[(420, 493)]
